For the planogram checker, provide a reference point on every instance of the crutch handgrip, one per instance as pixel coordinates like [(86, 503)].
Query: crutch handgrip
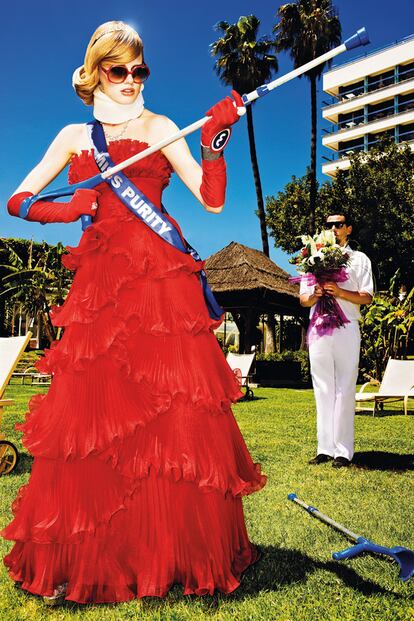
[(359, 38)]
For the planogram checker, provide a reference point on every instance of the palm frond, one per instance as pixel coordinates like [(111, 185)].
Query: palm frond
[(307, 29), (242, 60), (14, 258)]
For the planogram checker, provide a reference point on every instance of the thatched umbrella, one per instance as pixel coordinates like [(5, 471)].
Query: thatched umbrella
[(247, 283)]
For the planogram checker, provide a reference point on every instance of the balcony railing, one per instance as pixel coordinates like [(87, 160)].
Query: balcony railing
[(346, 152), (374, 51), (366, 89), (370, 117)]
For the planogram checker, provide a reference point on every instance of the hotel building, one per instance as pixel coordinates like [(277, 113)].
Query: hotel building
[(372, 96)]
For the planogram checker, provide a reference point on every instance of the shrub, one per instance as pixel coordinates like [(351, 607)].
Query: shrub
[(386, 330), (299, 355)]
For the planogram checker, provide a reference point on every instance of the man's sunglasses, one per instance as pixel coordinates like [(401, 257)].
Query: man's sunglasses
[(336, 224), (119, 73)]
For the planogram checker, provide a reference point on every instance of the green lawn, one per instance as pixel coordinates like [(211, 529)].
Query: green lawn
[(296, 579)]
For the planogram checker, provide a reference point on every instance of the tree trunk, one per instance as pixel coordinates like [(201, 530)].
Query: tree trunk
[(2, 316), (281, 330), (257, 182), (38, 326), (303, 338), (49, 327), (313, 156), (270, 343), (246, 322), (13, 319), (240, 321), (20, 320), (29, 263)]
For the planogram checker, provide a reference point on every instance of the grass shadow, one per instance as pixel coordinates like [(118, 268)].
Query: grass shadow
[(383, 413), (281, 567), (24, 465), (244, 400), (383, 460), (276, 569)]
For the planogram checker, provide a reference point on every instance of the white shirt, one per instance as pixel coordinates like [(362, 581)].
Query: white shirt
[(359, 279)]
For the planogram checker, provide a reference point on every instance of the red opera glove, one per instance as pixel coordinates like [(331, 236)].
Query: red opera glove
[(215, 135), (213, 184), (216, 132), (83, 202)]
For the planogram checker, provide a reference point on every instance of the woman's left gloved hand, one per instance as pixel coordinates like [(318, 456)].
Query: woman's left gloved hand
[(83, 202)]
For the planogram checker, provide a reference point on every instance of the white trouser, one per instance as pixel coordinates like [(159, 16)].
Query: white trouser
[(334, 368)]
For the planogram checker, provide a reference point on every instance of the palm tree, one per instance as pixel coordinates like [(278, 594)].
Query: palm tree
[(34, 280), (308, 29), (244, 62)]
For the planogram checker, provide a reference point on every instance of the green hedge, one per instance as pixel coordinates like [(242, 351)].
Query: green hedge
[(299, 355)]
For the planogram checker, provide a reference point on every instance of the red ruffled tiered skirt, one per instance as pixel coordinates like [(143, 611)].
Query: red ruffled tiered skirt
[(139, 465)]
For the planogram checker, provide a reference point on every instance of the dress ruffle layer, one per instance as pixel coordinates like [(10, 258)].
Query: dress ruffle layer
[(139, 463), (182, 537)]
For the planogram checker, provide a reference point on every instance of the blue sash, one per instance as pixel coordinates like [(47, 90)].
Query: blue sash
[(143, 208)]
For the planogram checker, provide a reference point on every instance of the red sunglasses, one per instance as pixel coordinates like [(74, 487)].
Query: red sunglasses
[(119, 73)]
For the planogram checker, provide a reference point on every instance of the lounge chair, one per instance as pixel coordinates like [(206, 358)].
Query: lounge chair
[(11, 350), (397, 385), (241, 365)]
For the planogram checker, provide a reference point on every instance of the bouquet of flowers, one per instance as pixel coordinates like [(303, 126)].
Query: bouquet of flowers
[(322, 260)]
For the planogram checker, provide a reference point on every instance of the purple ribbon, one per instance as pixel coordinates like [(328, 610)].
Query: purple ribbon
[(328, 315)]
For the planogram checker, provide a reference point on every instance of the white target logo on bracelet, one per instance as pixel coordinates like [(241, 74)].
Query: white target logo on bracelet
[(221, 139)]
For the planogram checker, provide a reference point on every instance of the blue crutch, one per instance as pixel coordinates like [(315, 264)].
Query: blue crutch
[(403, 556)]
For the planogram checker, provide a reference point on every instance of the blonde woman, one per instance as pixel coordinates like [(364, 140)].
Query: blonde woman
[(139, 466)]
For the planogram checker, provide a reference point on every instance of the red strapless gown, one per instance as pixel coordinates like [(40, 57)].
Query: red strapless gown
[(139, 465)]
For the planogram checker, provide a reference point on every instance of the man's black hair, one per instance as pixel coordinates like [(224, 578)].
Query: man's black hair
[(341, 212)]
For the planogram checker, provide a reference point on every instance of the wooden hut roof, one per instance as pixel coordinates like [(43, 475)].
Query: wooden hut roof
[(237, 267)]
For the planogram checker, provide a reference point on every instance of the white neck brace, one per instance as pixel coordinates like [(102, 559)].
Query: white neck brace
[(107, 110)]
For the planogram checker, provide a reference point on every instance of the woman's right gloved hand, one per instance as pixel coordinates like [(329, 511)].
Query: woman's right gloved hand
[(216, 132), (214, 137), (84, 202)]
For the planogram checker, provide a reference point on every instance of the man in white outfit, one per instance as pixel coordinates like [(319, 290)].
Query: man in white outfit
[(334, 358)]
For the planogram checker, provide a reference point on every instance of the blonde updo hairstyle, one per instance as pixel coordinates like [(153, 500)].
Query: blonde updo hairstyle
[(113, 42)]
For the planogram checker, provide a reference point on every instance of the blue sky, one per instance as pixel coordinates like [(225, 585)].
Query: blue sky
[(43, 42)]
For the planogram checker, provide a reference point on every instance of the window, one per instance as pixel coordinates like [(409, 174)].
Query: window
[(381, 110), (381, 80), (351, 90), (406, 132), (406, 102), (346, 148), (350, 119), (406, 72), (374, 139)]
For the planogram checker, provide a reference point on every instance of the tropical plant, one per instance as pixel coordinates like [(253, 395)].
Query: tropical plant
[(245, 62), (308, 29), (377, 192), (387, 329), (34, 279)]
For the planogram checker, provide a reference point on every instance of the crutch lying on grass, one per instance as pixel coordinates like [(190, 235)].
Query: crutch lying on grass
[(403, 556), (356, 40)]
